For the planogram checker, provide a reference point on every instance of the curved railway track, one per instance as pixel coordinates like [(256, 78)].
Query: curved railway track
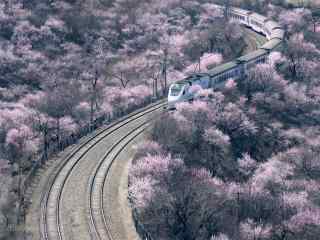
[(50, 222), (98, 219)]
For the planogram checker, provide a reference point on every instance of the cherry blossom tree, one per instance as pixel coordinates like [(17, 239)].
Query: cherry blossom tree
[(219, 145), (254, 231), (297, 49), (247, 165), (177, 187), (294, 20), (221, 236)]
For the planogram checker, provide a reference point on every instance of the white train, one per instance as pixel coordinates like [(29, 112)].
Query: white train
[(182, 90)]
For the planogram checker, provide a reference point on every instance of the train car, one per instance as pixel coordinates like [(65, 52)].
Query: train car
[(278, 34), (184, 90), (256, 22), (240, 15), (253, 58), (271, 45), (221, 73), (217, 77), (269, 27)]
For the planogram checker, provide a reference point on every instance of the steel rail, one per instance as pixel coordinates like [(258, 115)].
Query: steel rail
[(98, 222), (67, 166)]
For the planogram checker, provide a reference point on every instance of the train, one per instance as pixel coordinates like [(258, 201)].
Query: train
[(238, 68)]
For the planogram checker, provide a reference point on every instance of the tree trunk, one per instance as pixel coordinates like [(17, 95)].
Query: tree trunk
[(156, 87), (45, 143), (91, 111), (58, 133), (165, 71)]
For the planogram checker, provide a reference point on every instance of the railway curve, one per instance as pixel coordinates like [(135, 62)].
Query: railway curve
[(79, 193)]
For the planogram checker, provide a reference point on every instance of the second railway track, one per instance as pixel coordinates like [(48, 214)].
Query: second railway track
[(51, 226), (72, 205), (99, 221)]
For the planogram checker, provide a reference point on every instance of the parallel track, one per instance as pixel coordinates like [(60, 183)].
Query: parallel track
[(99, 222), (50, 225)]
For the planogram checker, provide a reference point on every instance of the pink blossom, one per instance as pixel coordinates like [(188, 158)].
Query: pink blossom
[(201, 173), (304, 218), (307, 68), (297, 42), (4, 164), (247, 164), (15, 136), (221, 236), (272, 171), (188, 109), (296, 95), (32, 99), (310, 186), (250, 230), (297, 200), (179, 40), (201, 176), (141, 192), (233, 189), (195, 88), (216, 137), (83, 106), (157, 166), (231, 84), (276, 57), (15, 113), (54, 22), (204, 93), (293, 19), (210, 60), (150, 147), (106, 108), (175, 75), (68, 125)]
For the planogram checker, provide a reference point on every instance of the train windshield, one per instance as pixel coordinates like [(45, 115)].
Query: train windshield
[(175, 89)]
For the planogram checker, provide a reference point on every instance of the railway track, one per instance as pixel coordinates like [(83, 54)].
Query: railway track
[(50, 221), (99, 221), (99, 180)]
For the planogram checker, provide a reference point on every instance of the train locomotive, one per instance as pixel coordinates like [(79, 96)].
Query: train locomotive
[(216, 77)]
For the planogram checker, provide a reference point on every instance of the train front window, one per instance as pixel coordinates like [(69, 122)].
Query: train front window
[(176, 89)]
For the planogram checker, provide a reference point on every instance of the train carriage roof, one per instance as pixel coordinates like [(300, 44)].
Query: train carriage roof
[(258, 17), (251, 56), (277, 33), (192, 77), (272, 25), (271, 44), (240, 11), (223, 68)]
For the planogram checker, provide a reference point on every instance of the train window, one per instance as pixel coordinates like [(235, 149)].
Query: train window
[(176, 89)]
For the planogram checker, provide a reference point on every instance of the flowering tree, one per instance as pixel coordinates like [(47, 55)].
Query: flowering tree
[(296, 50), (294, 20), (184, 212), (219, 145)]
